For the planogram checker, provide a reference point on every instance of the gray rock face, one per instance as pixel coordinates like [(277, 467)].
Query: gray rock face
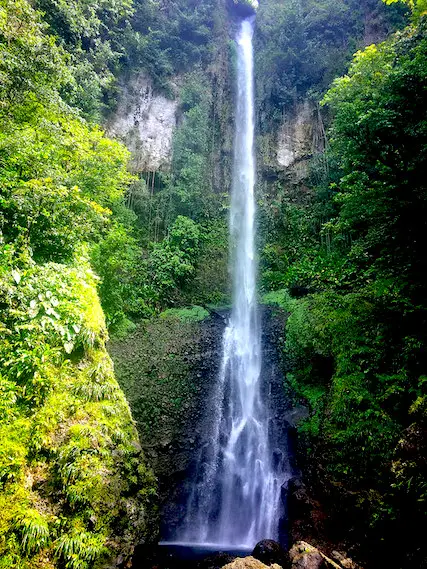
[(145, 122), (298, 138)]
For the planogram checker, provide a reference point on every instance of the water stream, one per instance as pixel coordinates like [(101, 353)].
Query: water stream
[(236, 498)]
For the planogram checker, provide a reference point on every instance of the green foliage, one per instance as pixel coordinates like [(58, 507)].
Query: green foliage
[(382, 182), (39, 208), (357, 296), (39, 323), (13, 449), (303, 44), (63, 182), (98, 382), (360, 414), (33, 530), (280, 298), (171, 262), (193, 314), (59, 172), (79, 549), (92, 34), (171, 40), (65, 421), (124, 290), (73, 486), (418, 7), (32, 67), (210, 283)]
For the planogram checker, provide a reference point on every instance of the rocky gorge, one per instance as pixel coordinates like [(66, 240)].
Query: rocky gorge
[(212, 284)]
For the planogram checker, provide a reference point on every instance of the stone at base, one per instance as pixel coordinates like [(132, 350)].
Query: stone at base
[(269, 551), (249, 563), (305, 556)]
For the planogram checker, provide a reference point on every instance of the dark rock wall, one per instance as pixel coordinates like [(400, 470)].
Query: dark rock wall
[(168, 371)]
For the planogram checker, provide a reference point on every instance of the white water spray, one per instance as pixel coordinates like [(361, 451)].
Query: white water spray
[(237, 493)]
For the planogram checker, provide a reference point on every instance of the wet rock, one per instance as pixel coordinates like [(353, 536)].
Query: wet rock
[(216, 561), (305, 556), (307, 516), (269, 551), (299, 498), (249, 563)]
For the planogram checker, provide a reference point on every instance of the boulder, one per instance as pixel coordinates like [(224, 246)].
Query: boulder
[(249, 563), (269, 551), (216, 561), (305, 556)]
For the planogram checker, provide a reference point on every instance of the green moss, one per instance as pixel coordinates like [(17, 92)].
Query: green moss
[(193, 314), (280, 298), (153, 366), (13, 449)]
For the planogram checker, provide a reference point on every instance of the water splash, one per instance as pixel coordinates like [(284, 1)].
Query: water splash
[(236, 498)]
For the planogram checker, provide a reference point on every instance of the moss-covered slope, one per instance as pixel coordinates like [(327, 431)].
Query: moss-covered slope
[(74, 488), (167, 368)]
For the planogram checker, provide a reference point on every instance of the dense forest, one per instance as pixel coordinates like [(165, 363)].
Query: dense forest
[(92, 248)]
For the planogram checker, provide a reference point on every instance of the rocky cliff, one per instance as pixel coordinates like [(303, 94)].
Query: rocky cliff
[(285, 152), (145, 121)]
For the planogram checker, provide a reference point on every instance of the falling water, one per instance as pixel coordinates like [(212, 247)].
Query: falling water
[(237, 491)]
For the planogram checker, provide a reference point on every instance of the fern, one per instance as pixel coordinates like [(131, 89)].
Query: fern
[(79, 550), (33, 529), (99, 382)]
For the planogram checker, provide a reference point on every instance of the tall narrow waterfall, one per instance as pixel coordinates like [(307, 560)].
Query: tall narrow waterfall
[(236, 496)]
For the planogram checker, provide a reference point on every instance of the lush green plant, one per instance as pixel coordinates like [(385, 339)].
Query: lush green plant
[(64, 419), (418, 7), (79, 549), (33, 530), (280, 298), (72, 483), (303, 45), (357, 298), (193, 314)]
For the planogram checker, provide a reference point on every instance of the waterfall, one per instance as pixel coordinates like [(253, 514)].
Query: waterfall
[(236, 499)]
